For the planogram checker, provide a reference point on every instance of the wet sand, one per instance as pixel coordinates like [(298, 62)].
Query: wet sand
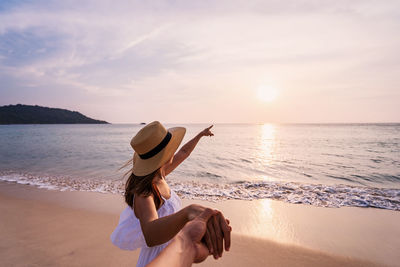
[(47, 228)]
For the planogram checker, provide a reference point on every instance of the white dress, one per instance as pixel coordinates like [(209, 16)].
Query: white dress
[(128, 234)]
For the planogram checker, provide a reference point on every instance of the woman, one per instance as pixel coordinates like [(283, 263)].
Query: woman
[(154, 215)]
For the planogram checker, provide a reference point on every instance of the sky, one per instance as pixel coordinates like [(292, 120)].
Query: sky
[(230, 61)]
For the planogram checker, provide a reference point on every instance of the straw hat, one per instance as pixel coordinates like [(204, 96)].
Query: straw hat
[(154, 146)]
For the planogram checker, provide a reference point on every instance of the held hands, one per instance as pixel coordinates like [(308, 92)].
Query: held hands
[(187, 246), (217, 230), (196, 231), (193, 233)]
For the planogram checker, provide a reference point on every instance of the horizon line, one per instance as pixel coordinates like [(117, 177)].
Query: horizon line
[(212, 123)]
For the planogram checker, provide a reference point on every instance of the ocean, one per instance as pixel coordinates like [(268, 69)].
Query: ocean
[(327, 165)]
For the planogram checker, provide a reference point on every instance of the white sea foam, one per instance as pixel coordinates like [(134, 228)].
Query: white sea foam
[(332, 196)]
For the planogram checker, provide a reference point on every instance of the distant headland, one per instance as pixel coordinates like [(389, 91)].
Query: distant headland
[(27, 114)]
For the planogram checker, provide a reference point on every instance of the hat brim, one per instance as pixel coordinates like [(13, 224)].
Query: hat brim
[(142, 167)]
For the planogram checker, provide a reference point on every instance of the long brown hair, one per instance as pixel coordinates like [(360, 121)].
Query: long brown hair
[(142, 185)]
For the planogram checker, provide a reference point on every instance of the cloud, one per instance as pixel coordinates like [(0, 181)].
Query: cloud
[(186, 51)]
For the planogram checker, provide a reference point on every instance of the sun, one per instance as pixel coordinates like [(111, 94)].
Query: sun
[(266, 93)]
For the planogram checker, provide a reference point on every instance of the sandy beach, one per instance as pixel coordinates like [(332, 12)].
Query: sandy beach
[(50, 228)]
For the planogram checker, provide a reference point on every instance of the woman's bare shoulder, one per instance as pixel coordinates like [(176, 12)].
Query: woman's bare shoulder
[(143, 205)]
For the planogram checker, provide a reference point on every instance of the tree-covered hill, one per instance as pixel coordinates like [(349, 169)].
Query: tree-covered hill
[(27, 114)]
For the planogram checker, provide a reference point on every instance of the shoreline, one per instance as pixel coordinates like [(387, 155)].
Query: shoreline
[(62, 228), (318, 195)]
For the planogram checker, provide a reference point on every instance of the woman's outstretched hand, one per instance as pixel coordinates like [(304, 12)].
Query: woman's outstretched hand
[(207, 131)]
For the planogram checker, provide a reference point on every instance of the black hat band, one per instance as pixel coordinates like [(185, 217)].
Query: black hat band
[(158, 148)]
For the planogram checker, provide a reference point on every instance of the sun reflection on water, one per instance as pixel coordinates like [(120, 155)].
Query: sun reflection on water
[(267, 141), (266, 146)]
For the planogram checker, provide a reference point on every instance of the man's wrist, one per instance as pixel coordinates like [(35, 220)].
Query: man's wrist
[(185, 247)]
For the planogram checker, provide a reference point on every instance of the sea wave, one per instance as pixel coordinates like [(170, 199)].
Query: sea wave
[(332, 196)]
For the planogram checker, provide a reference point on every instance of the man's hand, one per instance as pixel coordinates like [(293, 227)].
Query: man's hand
[(194, 231)]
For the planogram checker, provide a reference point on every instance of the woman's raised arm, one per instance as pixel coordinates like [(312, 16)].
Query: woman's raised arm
[(186, 149)]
